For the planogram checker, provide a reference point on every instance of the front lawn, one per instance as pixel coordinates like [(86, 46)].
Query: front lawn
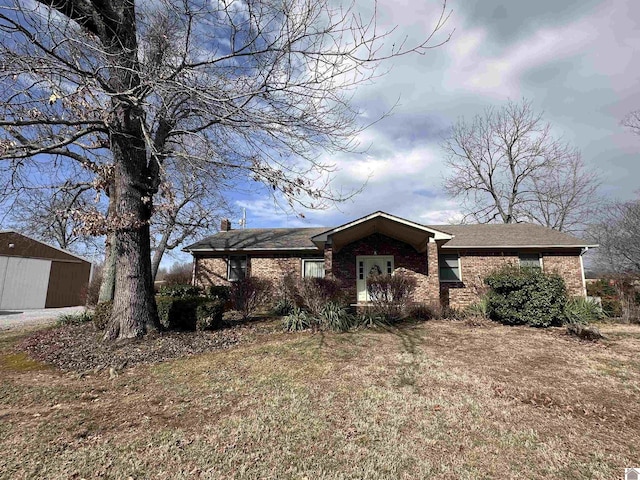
[(433, 400)]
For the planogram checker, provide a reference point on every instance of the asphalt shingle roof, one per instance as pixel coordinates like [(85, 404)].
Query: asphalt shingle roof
[(260, 239), (507, 235), (469, 236)]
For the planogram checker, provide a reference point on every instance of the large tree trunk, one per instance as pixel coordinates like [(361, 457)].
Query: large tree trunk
[(134, 308), (159, 253), (108, 285), (135, 179)]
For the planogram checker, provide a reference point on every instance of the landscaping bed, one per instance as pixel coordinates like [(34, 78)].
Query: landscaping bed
[(79, 348)]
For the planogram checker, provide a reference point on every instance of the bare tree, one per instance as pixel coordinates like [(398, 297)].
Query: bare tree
[(252, 87), (52, 216), (506, 167), (618, 234), (632, 121), (186, 205)]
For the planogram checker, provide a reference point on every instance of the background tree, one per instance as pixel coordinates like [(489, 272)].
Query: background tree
[(618, 235), (253, 87), (506, 167), (53, 217)]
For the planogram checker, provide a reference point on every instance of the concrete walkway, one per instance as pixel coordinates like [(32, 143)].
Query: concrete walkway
[(12, 319)]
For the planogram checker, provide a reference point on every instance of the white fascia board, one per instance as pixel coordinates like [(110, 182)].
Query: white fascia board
[(437, 234), (454, 247), (286, 249)]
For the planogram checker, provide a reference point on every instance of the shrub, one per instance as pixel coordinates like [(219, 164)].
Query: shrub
[(315, 293), (479, 309), (606, 290), (526, 297), (283, 307), (102, 315), (180, 291), (222, 292), (209, 315), (178, 313), (74, 318), (390, 294), (297, 320), (336, 318), (423, 311), (93, 291), (582, 310), (250, 293)]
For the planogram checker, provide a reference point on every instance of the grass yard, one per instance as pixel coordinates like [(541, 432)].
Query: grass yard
[(433, 400)]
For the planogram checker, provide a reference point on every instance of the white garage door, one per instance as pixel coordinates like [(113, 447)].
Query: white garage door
[(23, 282)]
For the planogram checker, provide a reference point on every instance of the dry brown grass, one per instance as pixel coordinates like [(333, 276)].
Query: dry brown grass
[(434, 400)]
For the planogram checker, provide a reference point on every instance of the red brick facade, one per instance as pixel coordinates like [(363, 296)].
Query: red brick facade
[(474, 267)]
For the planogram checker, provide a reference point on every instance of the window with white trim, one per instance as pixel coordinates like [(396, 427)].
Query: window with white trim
[(530, 260), (449, 267), (237, 268), (313, 268)]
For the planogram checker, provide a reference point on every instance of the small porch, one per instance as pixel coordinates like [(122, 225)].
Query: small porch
[(382, 244)]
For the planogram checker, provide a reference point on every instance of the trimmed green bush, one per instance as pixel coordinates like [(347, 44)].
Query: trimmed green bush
[(180, 291), (102, 315), (209, 315), (222, 292), (526, 297), (178, 313), (582, 310)]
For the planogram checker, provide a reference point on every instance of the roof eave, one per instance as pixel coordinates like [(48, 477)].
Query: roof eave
[(516, 246), (437, 234)]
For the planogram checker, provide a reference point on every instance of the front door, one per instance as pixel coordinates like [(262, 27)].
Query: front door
[(367, 265)]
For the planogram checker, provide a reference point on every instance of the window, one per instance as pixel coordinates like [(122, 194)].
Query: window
[(237, 268), (530, 260), (313, 268), (450, 268)]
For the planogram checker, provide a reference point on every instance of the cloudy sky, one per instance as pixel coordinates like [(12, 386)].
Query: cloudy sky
[(578, 61)]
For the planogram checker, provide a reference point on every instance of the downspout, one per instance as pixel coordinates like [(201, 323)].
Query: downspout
[(584, 282)]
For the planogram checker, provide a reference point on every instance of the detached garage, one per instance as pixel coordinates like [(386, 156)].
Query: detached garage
[(36, 275)]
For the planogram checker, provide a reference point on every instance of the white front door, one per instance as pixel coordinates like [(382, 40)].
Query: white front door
[(367, 265)]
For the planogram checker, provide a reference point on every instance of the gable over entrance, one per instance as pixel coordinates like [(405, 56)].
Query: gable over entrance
[(385, 224)]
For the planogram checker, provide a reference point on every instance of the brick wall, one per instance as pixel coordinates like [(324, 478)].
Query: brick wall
[(477, 265), (567, 266), (210, 271), (405, 257), (213, 270)]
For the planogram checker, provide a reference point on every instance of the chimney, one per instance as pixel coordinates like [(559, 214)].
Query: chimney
[(225, 225)]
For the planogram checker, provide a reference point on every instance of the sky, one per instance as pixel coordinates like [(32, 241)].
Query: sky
[(578, 62)]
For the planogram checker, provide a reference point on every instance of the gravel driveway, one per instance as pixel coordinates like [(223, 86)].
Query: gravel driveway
[(11, 319)]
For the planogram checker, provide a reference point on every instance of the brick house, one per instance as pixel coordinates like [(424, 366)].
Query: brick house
[(449, 262)]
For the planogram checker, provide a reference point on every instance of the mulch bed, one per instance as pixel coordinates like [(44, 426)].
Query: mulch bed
[(79, 348)]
